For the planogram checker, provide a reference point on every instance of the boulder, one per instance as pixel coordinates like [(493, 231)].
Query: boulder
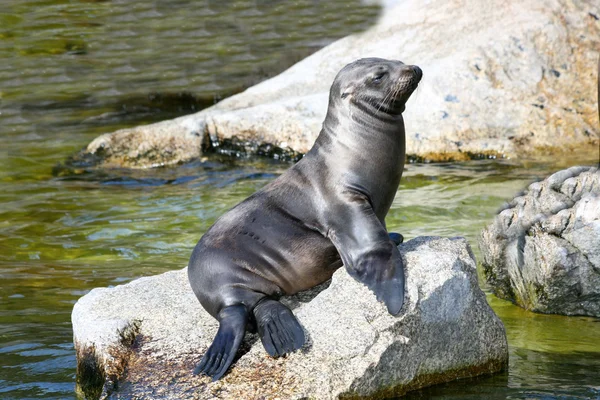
[(518, 77), (543, 251), (143, 339)]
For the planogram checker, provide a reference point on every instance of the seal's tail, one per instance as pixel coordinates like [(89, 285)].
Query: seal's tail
[(220, 354)]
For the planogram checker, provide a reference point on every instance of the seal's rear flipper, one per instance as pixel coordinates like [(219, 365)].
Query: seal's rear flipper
[(278, 328), (220, 354), (396, 238)]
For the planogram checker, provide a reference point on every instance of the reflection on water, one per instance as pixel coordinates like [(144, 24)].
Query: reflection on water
[(531, 375), (70, 70), (106, 62)]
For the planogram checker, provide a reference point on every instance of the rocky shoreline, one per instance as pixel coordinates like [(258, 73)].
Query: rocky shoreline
[(510, 80)]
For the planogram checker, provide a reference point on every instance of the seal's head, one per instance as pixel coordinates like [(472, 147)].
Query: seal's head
[(375, 85)]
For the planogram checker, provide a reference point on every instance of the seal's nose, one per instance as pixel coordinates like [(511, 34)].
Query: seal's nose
[(417, 72)]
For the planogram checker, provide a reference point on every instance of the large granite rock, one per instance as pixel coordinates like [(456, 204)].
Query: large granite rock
[(142, 339), (543, 251), (518, 76)]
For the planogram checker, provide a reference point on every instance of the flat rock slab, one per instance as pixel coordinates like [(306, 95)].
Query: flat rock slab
[(543, 251), (143, 339), (518, 77)]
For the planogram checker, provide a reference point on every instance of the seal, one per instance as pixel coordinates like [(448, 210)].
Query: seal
[(326, 210)]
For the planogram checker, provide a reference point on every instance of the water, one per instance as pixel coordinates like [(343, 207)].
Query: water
[(71, 70)]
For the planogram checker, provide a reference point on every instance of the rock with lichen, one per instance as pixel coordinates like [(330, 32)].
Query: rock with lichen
[(543, 251), (143, 339)]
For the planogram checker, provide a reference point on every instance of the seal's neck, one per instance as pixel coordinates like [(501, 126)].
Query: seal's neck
[(361, 127), (361, 149)]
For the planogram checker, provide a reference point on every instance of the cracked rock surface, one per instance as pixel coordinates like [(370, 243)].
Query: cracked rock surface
[(142, 339), (543, 251)]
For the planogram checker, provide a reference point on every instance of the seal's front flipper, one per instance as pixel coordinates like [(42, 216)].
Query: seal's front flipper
[(278, 328), (220, 354), (368, 253), (382, 271), (391, 291), (396, 238)]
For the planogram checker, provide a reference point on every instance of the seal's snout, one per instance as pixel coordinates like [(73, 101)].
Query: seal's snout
[(417, 71), (409, 76)]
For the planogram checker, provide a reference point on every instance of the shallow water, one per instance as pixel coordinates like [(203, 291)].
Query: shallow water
[(70, 70)]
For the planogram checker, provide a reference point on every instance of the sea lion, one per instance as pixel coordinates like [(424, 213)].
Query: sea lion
[(327, 209)]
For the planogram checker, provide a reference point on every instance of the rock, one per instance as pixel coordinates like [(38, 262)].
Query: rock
[(518, 77), (543, 251), (143, 339)]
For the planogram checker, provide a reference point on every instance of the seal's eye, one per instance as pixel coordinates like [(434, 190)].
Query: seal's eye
[(378, 78)]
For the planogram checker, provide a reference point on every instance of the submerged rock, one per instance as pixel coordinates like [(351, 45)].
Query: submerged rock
[(516, 77), (543, 251), (143, 339)]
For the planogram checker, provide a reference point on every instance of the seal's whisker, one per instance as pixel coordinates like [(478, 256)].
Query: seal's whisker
[(385, 98), (416, 92), (393, 94)]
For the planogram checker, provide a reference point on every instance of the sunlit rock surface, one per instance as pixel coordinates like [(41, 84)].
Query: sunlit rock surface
[(543, 251), (507, 78), (143, 339)]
